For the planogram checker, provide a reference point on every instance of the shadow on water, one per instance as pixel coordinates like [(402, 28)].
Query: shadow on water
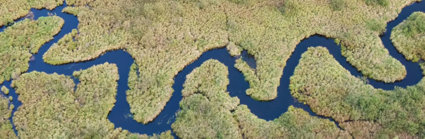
[(121, 116)]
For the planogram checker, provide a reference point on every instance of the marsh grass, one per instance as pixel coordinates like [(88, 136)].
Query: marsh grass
[(330, 90), (11, 10), (165, 36), (22, 39), (409, 37), (6, 130), (206, 106), (51, 108)]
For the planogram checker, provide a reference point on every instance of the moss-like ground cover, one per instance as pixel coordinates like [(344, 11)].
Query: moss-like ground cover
[(164, 36), (13, 9), (22, 39), (409, 37), (52, 109), (364, 111)]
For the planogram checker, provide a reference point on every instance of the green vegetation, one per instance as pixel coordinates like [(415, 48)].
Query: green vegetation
[(13, 9), (164, 36), (295, 123), (378, 2), (364, 111), (22, 39), (51, 109), (338, 5), (5, 90), (205, 109), (6, 130), (409, 37)]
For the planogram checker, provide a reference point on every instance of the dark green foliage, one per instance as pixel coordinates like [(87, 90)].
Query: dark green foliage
[(375, 25), (377, 2), (414, 25), (338, 5), (409, 37)]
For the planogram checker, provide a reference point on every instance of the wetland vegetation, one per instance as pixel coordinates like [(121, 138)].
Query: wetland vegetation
[(6, 130), (409, 37), (362, 110), (165, 36), (206, 106), (22, 39), (52, 109), (11, 10)]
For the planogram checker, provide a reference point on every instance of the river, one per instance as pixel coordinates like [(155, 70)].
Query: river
[(121, 117)]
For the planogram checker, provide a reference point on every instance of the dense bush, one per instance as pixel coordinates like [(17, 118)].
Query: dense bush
[(409, 37), (378, 2)]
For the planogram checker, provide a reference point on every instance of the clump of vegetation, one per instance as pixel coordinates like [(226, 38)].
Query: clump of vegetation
[(22, 39), (409, 37), (6, 130), (338, 5), (51, 108), (378, 2), (5, 90), (165, 36), (321, 82), (205, 108), (13, 9)]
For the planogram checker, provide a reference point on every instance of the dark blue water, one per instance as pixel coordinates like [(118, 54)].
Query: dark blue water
[(121, 116)]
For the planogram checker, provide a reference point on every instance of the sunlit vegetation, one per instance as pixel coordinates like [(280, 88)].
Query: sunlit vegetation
[(51, 109), (22, 39), (164, 36), (6, 130), (5, 90), (409, 37), (364, 111), (13, 9), (205, 108), (295, 123)]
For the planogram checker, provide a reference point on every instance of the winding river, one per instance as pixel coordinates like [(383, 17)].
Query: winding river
[(120, 115)]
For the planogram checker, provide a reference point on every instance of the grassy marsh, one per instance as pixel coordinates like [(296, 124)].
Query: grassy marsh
[(11, 10), (165, 36), (22, 39), (365, 112), (6, 130), (206, 106), (52, 109), (409, 37)]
